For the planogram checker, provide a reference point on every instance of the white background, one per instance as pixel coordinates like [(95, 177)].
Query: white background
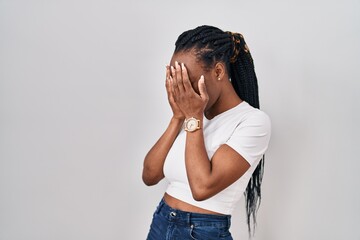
[(82, 100)]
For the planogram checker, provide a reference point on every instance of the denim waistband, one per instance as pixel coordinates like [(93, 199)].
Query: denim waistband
[(190, 218)]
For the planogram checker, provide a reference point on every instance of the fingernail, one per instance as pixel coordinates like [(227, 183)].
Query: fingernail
[(182, 65)]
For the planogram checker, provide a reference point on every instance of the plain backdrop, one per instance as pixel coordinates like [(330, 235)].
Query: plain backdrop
[(82, 100)]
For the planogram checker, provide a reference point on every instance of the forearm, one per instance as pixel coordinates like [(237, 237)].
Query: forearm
[(155, 158), (198, 166)]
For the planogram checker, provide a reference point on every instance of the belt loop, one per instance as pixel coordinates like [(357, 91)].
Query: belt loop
[(229, 221), (161, 204), (189, 219)]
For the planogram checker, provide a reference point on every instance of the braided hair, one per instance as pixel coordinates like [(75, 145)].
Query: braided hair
[(212, 45)]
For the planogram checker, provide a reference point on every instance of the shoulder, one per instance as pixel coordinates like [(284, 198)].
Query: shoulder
[(253, 116), (258, 116)]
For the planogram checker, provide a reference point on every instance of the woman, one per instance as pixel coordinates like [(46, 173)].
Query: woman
[(212, 150)]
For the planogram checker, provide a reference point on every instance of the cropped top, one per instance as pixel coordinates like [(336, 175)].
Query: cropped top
[(245, 129)]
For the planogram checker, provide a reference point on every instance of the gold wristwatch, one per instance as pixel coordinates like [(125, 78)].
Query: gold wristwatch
[(191, 124)]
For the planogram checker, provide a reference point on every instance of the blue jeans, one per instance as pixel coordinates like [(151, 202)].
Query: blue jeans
[(173, 224)]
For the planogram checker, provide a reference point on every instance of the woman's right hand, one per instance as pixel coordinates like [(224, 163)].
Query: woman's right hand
[(177, 113)]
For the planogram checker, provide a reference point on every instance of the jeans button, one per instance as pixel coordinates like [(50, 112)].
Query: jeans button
[(173, 214)]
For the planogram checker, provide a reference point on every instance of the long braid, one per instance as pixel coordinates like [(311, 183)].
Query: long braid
[(212, 45), (246, 87)]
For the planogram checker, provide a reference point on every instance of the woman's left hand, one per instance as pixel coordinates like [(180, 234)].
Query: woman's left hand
[(190, 103)]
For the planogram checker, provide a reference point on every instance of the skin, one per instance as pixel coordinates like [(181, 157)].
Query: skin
[(194, 92)]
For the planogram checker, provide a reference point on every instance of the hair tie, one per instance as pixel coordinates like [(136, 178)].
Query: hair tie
[(237, 38)]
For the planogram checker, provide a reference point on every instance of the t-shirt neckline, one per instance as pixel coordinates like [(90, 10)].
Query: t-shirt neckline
[(229, 111)]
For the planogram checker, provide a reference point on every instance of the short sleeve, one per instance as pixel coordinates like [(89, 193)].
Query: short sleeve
[(251, 137)]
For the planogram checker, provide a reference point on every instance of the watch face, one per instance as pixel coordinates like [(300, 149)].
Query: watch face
[(191, 124)]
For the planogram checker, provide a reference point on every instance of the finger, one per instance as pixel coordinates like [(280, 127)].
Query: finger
[(167, 75), (179, 80), (202, 89), (173, 88), (168, 83), (173, 80), (185, 78), (172, 73), (167, 72), (170, 93)]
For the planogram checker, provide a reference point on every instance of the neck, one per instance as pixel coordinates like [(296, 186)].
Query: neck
[(228, 99)]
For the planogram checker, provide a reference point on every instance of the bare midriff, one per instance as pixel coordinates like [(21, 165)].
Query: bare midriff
[(183, 206)]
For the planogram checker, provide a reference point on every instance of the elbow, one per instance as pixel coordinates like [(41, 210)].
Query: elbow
[(151, 179), (200, 193), (199, 198)]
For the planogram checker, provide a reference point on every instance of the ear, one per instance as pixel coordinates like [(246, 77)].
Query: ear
[(220, 71)]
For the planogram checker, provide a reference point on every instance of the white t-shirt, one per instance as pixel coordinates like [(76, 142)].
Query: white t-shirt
[(246, 130)]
